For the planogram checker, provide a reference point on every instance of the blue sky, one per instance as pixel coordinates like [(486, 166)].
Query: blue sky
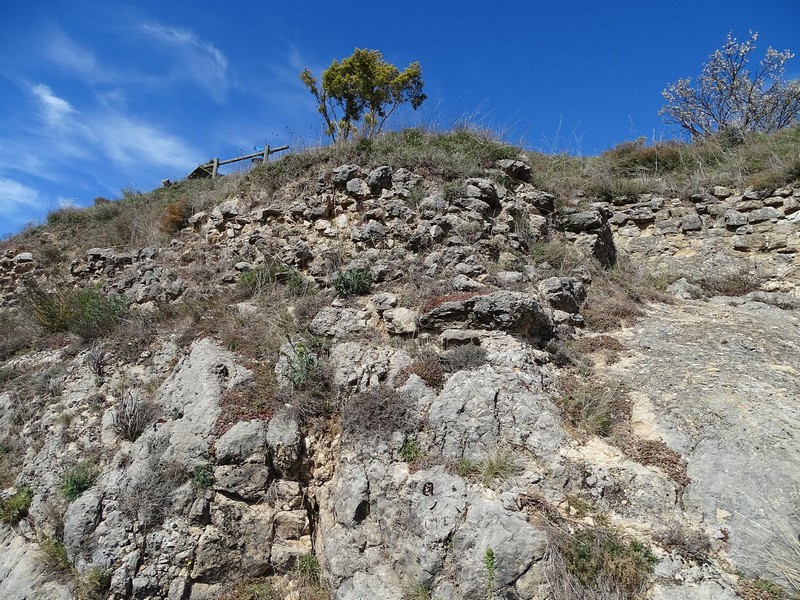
[(97, 97)]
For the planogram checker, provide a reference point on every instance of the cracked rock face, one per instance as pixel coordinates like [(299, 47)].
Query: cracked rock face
[(720, 385)]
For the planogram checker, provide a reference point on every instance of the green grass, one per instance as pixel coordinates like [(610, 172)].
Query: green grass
[(498, 466), (15, 508), (87, 313), (352, 282), (77, 480)]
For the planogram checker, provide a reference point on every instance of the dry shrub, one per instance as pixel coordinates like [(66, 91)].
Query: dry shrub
[(609, 346), (464, 358), (636, 158), (175, 215), (593, 407), (653, 453), (133, 415), (689, 543), (732, 282), (427, 367), (378, 412)]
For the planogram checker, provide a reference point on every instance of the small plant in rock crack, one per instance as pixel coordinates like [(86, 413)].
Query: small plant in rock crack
[(77, 480), (203, 476), (300, 365), (133, 415), (15, 508), (490, 562), (352, 282), (98, 359)]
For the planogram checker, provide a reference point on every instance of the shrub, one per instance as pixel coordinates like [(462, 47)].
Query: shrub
[(464, 358), (307, 568), (133, 415), (352, 282), (301, 363), (15, 508), (597, 560), (86, 313), (692, 544), (378, 412), (77, 480), (203, 476)]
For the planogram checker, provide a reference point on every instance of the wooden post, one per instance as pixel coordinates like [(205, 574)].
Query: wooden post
[(266, 152), (214, 168)]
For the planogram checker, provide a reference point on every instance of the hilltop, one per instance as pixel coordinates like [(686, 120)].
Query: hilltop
[(428, 365)]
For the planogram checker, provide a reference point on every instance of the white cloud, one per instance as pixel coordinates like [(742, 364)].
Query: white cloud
[(63, 51), (199, 60), (56, 111), (128, 143), (14, 195)]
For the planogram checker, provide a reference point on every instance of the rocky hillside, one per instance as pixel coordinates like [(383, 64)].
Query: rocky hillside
[(423, 374)]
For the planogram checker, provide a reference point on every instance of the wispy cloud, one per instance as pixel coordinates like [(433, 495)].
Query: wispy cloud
[(60, 49), (18, 202), (199, 60), (56, 111)]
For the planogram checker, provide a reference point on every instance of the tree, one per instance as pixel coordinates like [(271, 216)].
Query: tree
[(363, 87), (727, 96)]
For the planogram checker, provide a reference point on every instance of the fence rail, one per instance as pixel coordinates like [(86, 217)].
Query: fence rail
[(211, 168)]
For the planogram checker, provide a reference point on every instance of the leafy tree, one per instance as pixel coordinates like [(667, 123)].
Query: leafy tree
[(729, 97), (363, 87)]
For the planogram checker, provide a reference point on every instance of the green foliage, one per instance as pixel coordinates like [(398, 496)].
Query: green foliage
[(352, 282), (77, 480), (600, 559), (87, 313), (16, 507), (54, 554), (363, 87), (490, 562), (308, 569), (300, 365), (203, 476), (411, 450)]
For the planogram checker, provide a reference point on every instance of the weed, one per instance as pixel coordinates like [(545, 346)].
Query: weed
[(264, 278), (411, 450), (308, 570), (733, 282), (352, 282), (15, 508), (78, 479), (592, 407), (203, 476), (175, 216)]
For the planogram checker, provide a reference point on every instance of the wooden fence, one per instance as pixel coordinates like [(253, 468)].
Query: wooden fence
[(211, 168)]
